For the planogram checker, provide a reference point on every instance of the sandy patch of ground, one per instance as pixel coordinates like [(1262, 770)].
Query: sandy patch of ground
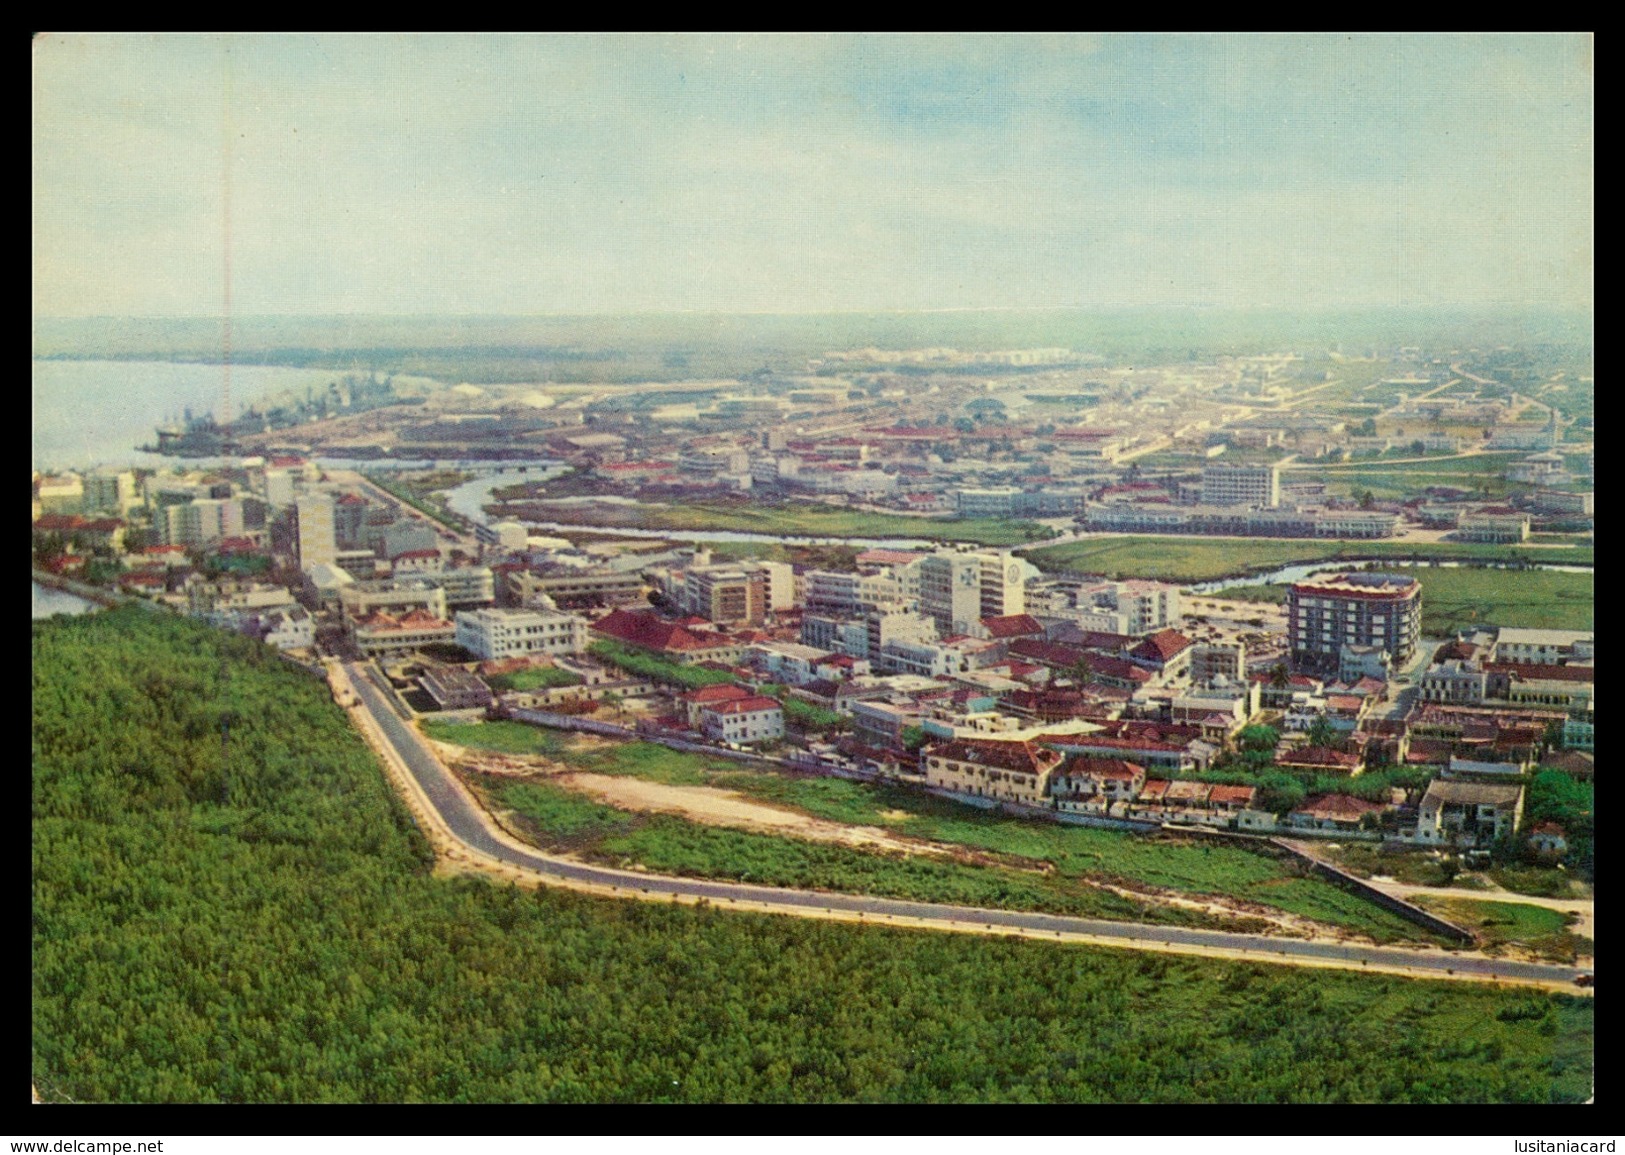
[(710, 805), (718, 807)]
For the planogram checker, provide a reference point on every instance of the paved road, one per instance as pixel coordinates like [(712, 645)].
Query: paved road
[(468, 823)]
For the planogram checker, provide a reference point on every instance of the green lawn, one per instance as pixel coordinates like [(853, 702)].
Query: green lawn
[(501, 737), (1458, 599), (535, 678), (1512, 924), (1539, 881), (642, 664)]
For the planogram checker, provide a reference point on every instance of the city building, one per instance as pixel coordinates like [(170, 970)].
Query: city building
[(454, 688), (726, 595), (494, 633), (1254, 486), (1359, 609), (318, 543), (992, 768), (382, 634), (743, 721)]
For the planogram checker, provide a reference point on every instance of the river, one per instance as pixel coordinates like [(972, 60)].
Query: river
[(49, 602), (1297, 573)]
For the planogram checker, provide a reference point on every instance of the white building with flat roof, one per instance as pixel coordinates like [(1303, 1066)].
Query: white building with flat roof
[(498, 633)]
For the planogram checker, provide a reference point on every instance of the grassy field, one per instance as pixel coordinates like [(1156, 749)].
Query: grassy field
[(797, 521), (1399, 479), (536, 678), (499, 737), (1205, 559), (1459, 599), (1415, 867), (1513, 924), (1539, 881), (1072, 857)]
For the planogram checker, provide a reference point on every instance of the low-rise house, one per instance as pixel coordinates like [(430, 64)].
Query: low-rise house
[(1549, 840), (1166, 653), (1321, 758), (695, 701), (990, 768), (1094, 785), (743, 721), (1460, 813), (454, 688), (1340, 812), (680, 643)]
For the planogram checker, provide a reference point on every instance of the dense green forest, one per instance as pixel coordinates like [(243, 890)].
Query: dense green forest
[(229, 905)]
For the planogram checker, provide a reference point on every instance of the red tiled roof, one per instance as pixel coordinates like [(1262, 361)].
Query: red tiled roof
[(1339, 807), (1154, 789), (746, 705), (645, 630), (1237, 795), (1013, 626), (1318, 756), (1530, 671), (1106, 769), (721, 692), (1020, 756), (1046, 653), (1162, 646)]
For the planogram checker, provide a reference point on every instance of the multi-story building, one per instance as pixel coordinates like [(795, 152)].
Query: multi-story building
[(571, 588), (1544, 647), (106, 491), (991, 768), (1357, 609), (743, 721), (726, 595), (361, 599), (494, 633), (1214, 661), (318, 543), (1250, 485), (1145, 606), (960, 587), (381, 634), (469, 587), (1493, 525), (64, 493), (195, 524)]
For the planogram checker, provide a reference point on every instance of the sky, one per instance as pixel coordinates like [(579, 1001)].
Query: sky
[(185, 175)]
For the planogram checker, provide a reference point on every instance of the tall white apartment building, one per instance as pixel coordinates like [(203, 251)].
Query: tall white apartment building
[(1250, 485), (317, 542)]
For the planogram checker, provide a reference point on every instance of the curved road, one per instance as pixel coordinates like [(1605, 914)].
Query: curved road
[(463, 817)]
